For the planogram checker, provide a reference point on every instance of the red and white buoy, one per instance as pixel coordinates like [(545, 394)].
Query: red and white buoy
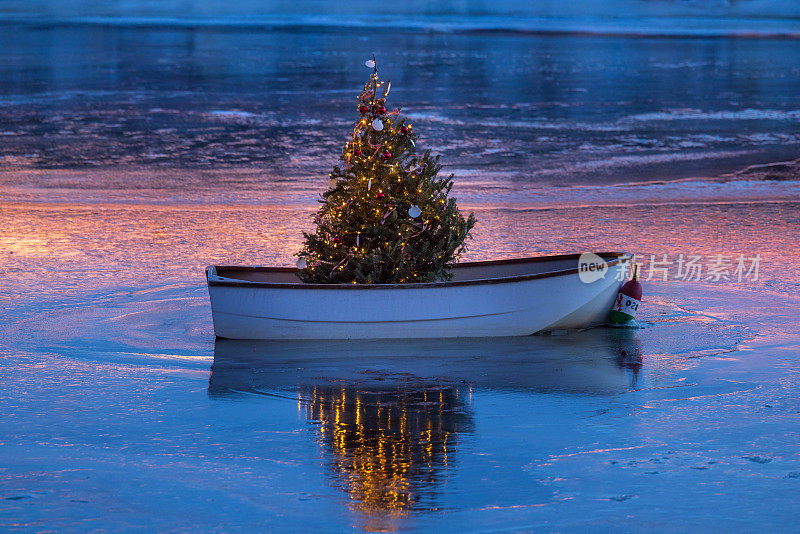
[(627, 302)]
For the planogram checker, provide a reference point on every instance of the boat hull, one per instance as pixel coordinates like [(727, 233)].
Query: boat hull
[(493, 307)]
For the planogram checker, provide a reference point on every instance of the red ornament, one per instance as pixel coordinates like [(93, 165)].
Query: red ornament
[(386, 155), (380, 196), (363, 110), (380, 110), (335, 239), (403, 129), (357, 152)]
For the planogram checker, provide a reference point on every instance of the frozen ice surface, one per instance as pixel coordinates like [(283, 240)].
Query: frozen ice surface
[(121, 410), (127, 413)]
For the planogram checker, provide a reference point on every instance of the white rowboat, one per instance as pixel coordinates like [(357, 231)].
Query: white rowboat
[(515, 297)]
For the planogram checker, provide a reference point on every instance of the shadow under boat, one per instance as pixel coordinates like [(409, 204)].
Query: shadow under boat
[(592, 361)]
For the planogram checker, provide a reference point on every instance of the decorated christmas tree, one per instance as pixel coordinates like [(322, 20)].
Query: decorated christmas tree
[(386, 217)]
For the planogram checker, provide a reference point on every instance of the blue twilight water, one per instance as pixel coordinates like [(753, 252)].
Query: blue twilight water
[(133, 154), (507, 107)]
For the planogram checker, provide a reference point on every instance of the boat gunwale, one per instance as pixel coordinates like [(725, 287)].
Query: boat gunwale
[(617, 258)]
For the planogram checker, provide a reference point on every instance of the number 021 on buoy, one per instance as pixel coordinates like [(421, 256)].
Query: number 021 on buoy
[(627, 302)]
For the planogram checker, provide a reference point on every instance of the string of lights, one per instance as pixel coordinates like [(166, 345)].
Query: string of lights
[(387, 216)]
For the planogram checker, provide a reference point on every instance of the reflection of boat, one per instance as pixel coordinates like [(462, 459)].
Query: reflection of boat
[(388, 415), (494, 298), (587, 361)]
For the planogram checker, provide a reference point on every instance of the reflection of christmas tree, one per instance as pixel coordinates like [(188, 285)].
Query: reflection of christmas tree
[(386, 217), (388, 450)]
